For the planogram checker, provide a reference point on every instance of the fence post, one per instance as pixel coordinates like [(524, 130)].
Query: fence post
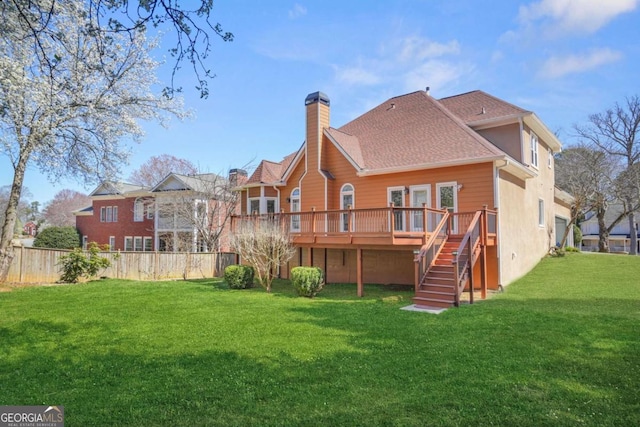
[(20, 272)]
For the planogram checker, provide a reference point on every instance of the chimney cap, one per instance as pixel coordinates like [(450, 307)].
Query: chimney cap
[(314, 97)]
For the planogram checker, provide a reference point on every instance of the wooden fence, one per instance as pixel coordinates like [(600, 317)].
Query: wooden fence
[(36, 265)]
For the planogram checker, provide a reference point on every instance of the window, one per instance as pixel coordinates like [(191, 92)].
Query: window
[(271, 206), (128, 243), (541, 212), (549, 158), (254, 206), (109, 214), (137, 244), (85, 240), (150, 209), (347, 202), (295, 207), (447, 199), (148, 244), (534, 150), (112, 243), (395, 197), (138, 210), (420, 196)]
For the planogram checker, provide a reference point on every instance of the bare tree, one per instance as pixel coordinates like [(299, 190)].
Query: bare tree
[(156, 168), (265, 245), (195, 215), (586, 174), (59, 211), (66, 108), (615, 132), (190, 28)]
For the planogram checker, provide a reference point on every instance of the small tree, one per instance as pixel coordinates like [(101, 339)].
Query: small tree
[(156, 168), (77, 264), (59, 211), (265, 246), (57, 238)]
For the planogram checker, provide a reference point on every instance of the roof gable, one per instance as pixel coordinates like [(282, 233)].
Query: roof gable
[(110, 188)]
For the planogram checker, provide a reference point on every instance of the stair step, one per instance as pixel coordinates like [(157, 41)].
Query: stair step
[(448, 296), (446, 281), (430, 302)]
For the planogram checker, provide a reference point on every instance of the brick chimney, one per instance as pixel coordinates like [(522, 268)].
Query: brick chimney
[(314, 189)]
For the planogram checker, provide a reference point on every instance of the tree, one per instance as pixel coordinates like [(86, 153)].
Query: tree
[(265, 245), (190, 27), (615, 131), (59, 211), (156, 168), (196, 216), (22, 210), (68, 96), (586, 173), (57, 238)]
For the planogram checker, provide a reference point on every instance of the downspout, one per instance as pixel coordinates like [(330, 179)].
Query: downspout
[(278, 192)]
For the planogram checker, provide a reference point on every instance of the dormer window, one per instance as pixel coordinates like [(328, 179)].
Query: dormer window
[(534, 150)]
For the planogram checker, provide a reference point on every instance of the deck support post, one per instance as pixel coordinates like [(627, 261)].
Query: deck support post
[(359, 283), (483, 253)]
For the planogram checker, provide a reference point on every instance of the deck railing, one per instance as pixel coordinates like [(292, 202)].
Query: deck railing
[(395, 222)]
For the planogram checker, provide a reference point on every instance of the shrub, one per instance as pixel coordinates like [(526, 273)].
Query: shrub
[(307, 281), (577, 236), (77, 264), (57, 238), (571, 249), (239, 276)]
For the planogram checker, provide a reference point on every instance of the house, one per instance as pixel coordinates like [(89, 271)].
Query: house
[(30, 228), (180, 213), (619, 237), (443, 194)]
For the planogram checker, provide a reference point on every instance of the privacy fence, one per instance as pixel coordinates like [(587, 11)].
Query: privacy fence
[(36, 265)]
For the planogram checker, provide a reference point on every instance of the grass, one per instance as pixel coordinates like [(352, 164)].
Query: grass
[(559, 347)]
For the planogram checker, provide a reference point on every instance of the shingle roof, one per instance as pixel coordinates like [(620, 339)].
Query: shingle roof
[(270, 172), (415, 130), (479, 106)]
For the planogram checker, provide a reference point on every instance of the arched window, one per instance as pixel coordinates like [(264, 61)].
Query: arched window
[(138, 210), (295, 207), (347, 201)]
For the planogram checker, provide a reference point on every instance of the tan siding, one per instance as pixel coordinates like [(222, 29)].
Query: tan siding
[(507, 138), (270, 192)]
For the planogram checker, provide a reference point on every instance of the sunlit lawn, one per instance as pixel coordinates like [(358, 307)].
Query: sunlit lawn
[(559, 347)]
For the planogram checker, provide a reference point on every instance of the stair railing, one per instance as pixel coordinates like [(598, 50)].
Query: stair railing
[(463, 258), (428, 253)]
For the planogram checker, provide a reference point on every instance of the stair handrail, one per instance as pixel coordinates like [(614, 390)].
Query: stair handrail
[(463, 257), (423, 263)]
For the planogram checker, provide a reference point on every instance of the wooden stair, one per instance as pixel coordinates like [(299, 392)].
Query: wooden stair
[(438, 289)]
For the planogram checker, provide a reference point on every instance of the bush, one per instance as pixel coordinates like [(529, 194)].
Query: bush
[(571, 249), (57, 238), (577, 236), (77, 264), (307, 281), (239, 276)]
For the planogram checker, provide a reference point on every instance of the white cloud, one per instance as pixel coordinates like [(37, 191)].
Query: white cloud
[(356, 76), (417, 48), (576, 16), (435, 74), (297, 11), (558, 66)]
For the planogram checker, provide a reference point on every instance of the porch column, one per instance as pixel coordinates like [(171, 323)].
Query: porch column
[(359, 284), (310, 257), (483, 252)]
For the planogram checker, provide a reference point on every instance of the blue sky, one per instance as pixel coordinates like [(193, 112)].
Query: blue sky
[(562, 59)]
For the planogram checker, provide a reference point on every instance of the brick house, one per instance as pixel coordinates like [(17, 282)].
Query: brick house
[(130, 217)]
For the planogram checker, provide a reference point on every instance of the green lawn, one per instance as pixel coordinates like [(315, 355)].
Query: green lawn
[(559, 347)]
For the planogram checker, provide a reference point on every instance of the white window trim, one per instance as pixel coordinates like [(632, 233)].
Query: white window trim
[(404, 204), (412, 189), (541, 213), (130, 238), (453, 184), (112, 239), (138, 210), (253, 199), (138, 243), (550, 158), (295, 219), (343, 193), (534, 142), (144, 243), (85, 242)]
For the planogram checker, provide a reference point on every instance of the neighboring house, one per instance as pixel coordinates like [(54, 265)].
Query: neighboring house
[(30, 228), (619, 237), (414, 187), (171, 216)]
